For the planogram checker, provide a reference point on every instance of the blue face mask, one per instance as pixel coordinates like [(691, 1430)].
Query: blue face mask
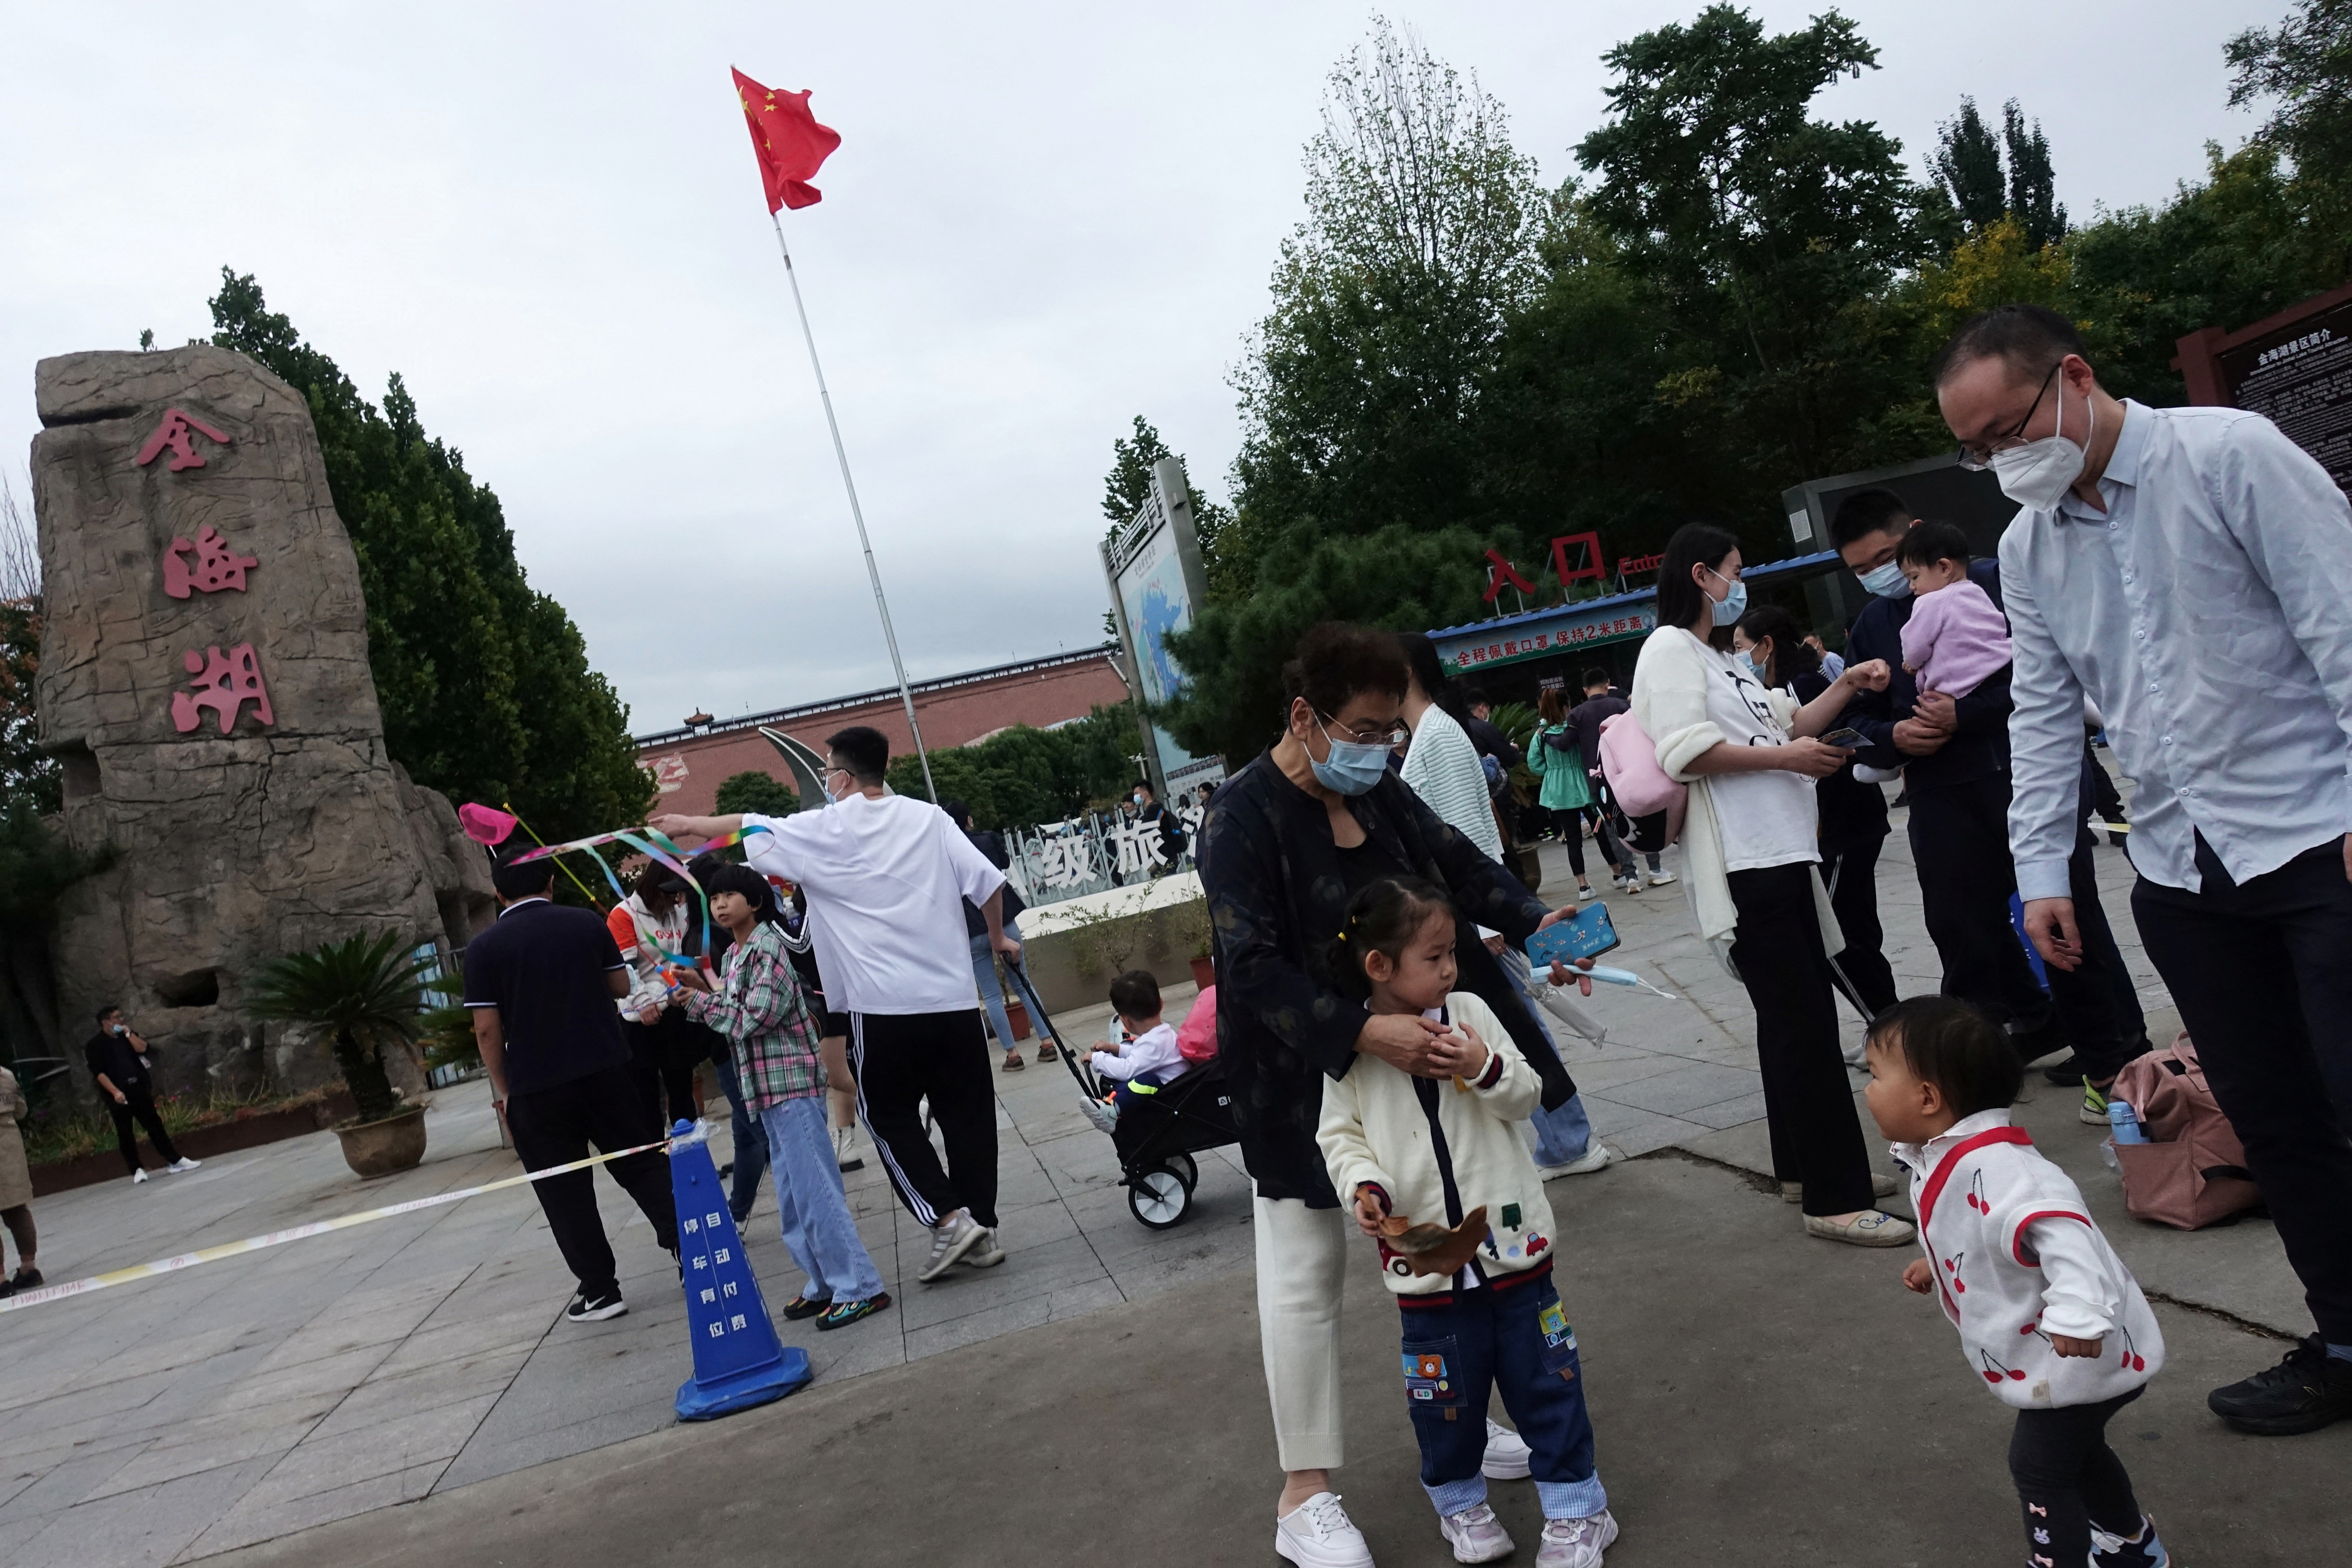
[(1732, 605), (1747, 663), (1888, 582), (1353, 767)]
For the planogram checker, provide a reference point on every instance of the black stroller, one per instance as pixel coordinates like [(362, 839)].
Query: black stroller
[(1158, 1129)]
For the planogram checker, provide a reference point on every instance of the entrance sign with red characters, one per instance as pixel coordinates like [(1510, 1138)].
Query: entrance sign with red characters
[(217, 566), (224, 683), (176, 433)]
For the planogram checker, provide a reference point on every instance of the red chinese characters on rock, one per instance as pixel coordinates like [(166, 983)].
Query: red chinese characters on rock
[(217, 566), (224, 682), (176, 433)]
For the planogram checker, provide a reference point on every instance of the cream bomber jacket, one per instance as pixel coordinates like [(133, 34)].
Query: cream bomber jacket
[(1669, 698), (1374, 1129)]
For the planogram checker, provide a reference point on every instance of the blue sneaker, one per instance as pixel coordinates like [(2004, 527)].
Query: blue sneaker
[(2141, 1550)]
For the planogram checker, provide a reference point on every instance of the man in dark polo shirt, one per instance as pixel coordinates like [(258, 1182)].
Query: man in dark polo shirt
[(541, 982)]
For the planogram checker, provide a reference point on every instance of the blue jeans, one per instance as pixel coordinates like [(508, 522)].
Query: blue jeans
[(1564, 1135), (813, 1206), (751, 1139), (991, 995), (1516, 1342)]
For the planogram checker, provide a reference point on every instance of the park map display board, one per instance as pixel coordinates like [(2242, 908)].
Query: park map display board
[(2293, 368)]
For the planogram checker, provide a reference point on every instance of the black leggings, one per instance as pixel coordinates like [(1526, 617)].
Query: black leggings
[(2069, 1479)]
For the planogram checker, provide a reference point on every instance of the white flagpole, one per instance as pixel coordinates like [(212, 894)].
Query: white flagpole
[(873, 573)]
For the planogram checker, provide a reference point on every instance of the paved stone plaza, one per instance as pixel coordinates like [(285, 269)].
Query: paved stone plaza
[(240, 1402)]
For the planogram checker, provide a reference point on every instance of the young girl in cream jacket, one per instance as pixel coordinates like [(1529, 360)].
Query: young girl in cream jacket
[(1440, 1179)]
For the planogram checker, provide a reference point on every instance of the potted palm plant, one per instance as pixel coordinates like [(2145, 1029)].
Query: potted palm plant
[(363, 993)]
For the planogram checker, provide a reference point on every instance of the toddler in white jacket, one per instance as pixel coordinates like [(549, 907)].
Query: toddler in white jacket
[(1440, 1177), (2048, 1317)]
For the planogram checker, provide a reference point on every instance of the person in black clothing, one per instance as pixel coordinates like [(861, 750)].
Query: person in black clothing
[(541, 982), (1602, 702), (1955, 757), (1853, 818), (117, 1059), (1171, 827), (990, 845), (1287, 842)]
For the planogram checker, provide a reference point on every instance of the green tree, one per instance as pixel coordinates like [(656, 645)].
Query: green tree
[(1967, 159), (1762, 228), (2306, 64), (752, 790), (484, 683), (365, 994), (2033, 182), (1021, 776)]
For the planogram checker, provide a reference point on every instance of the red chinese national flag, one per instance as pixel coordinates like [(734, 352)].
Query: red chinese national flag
[(791, 144)]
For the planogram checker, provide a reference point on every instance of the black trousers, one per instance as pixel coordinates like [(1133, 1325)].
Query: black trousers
[(1807, 1103), (900, 1059), (2068, 1480), (1865, 976), (555, 1126), (2262, 978), (1959, 844), (141, 1108)]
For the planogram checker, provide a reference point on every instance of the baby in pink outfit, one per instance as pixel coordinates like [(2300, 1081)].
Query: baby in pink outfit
[(1957, 636)]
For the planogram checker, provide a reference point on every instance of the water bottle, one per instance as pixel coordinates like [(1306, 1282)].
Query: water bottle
[(2122, 1122)]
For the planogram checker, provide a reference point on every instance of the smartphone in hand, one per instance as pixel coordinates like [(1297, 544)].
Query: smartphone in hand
[(1587, 934), (1844, 739)]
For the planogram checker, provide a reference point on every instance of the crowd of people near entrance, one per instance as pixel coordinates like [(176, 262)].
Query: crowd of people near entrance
[(2180, 579)]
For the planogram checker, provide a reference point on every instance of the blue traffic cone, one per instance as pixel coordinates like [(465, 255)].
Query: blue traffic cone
[(738, 1360)]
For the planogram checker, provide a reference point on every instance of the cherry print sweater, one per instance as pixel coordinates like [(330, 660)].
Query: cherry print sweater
[(2017, 1259), (1440, 1149)]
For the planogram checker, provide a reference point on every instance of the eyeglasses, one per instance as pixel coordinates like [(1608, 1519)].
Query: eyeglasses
[(1394, 735), (1977, 456)]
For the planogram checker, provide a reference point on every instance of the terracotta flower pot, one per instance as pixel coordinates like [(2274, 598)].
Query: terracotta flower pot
[(380, 1148), (1018, 1017), (1204, 972)]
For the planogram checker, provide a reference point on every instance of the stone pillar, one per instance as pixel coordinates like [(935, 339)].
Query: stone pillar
[(204, 684)]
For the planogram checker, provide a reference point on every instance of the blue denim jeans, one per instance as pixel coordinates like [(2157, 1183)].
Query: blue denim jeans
[(813, 1206), (751, 1138), (1564, 1135), (991, 995), (1516, 1341)]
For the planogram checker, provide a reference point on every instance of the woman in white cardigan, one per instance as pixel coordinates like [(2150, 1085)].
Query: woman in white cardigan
[(1751, 847)]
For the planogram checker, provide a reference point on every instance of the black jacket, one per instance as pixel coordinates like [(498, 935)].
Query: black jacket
[(1978, 749), (1276, 895), (1584, 723), (991, 843), (1851, 813)]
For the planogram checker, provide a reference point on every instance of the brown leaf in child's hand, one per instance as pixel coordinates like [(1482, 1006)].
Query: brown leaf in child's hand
[(1396, 1224)]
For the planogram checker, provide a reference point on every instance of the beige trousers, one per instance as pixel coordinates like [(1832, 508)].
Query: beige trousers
[(1301, 1266)]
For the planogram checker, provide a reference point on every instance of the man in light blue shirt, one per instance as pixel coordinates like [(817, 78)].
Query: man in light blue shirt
[(2189, 571)]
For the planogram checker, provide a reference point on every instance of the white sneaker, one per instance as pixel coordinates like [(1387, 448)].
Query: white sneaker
[(1582, 893), (845, 1156), (1657, 879), (1629, 883), (1575, 1542), (138, 1175), (1476, 1534), (1594, 1158), (1868, 1228), (1507, 1457), (183, 1163), (1317, 1534), (950, 1240), (985, 1253)]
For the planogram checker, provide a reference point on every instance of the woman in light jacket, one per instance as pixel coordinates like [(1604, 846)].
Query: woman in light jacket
[(1750, 849)]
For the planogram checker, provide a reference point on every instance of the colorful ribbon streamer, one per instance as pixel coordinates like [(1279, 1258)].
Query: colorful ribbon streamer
[(663, 851)]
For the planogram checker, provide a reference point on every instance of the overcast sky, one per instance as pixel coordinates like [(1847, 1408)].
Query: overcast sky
[(1042, 220)]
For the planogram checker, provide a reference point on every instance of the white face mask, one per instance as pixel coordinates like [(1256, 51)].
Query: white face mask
[(2038, 475)]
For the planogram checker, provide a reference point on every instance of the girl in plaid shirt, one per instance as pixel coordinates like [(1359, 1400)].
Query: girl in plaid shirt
[(758, 1005)]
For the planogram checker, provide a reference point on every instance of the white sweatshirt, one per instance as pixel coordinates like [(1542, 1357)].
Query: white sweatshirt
[(2017, 1259), (1375, 1128), (1154, 1050)]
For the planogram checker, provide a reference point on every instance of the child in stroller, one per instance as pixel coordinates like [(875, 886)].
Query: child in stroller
[(1145, 1057)]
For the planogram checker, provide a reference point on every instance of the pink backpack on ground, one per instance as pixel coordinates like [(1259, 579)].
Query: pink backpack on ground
[(1629, 761), (1196, 1037), (2192, 1171)]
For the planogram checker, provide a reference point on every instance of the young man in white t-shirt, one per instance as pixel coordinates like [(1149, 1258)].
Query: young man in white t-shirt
[(885, 878)]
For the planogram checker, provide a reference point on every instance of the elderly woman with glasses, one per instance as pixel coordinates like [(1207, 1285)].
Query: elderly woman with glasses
[(1286, 843)]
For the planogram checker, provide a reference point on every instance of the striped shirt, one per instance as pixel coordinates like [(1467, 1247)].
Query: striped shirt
[(760, 1008), (1442, 767)]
